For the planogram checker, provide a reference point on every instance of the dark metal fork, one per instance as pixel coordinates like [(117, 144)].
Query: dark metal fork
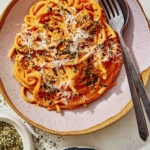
[(117, 19)]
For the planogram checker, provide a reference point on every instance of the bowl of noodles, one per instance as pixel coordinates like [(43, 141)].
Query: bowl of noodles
[(65, 64)]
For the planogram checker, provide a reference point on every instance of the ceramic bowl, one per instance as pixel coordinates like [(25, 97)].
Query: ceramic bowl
[(78, 148), (104, 111), (21, 129)]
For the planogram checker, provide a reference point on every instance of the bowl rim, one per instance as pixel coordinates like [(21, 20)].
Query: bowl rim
[(21, 129), (78, 148)]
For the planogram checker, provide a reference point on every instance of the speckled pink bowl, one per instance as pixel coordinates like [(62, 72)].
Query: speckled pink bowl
[(112, 106)]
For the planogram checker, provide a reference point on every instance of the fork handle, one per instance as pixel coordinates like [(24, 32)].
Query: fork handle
[(137, 80), (134, 81)]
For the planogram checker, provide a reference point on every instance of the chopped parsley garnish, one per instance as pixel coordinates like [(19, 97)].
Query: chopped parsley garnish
[(73, 55), (55, 71), (50, 8), (103, 85), (62, 41), (51, 103), (45, 86), (67, 11)]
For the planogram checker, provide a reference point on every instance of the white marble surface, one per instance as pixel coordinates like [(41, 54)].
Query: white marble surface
[(122, 135), (146, 5)]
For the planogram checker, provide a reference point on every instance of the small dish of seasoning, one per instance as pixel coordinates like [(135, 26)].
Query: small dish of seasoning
[(13, 134)]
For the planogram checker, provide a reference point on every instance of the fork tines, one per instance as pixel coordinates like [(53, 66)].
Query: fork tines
[(111, 7)]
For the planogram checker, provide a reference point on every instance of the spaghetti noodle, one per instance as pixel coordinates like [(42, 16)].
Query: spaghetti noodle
[(66, 54)]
